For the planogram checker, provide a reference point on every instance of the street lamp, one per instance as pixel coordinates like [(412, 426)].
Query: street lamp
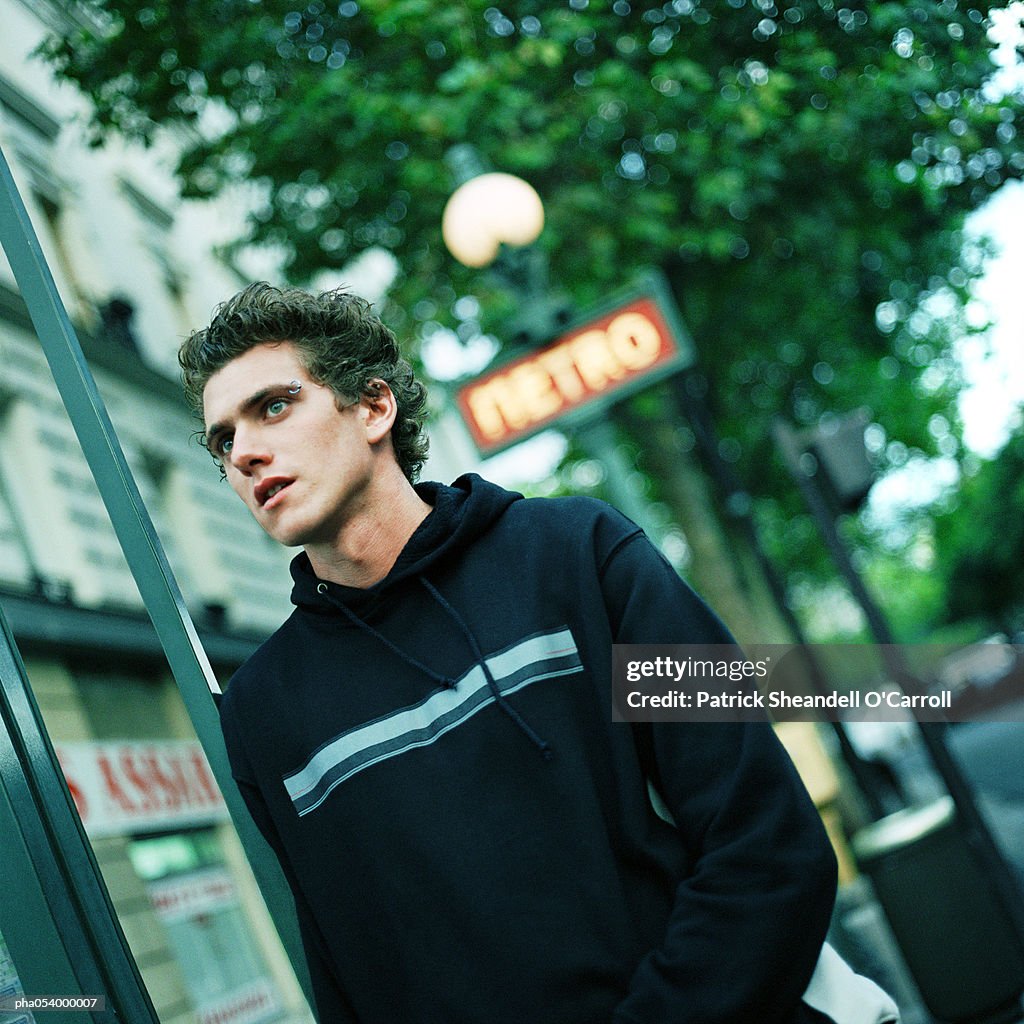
[(492, 220), (487, 211)]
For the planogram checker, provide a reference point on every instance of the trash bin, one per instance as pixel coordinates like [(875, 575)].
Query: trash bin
[(958, 941)]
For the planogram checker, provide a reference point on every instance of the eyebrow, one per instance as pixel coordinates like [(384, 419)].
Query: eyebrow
[(249, 403)]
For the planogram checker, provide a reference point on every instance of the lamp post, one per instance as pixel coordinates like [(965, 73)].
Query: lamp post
[(487, 211), (985, 980), (492, 220)]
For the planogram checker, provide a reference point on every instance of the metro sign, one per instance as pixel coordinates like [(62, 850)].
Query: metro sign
[(605, 357)]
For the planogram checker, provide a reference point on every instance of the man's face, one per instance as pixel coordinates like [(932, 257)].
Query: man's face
[(298, 462)]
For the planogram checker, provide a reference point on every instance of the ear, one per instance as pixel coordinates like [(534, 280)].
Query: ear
[(378, 411)]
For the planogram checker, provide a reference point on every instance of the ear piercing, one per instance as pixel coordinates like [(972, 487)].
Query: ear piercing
[(294, 387)]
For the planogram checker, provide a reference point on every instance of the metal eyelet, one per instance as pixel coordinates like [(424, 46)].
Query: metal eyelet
[(321, 588)]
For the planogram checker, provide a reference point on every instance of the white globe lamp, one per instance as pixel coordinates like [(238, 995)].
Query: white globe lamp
[(488, 211)]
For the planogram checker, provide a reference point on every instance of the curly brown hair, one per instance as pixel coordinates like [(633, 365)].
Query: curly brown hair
[(342, 344)]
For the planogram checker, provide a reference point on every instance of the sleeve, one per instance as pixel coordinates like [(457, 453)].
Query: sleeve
[(331, 1003), (749, 920)]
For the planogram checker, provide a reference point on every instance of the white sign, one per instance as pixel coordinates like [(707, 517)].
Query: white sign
[(180, 897), (140, 786)]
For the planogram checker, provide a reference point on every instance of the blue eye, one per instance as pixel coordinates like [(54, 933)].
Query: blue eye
[(222, 446), (276, 407)]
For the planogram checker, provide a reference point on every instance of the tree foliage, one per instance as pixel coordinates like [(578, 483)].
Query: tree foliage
[(980, 542), (800, 169)]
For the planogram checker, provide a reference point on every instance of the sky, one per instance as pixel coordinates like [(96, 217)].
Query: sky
[(996, 390), (996, 380)]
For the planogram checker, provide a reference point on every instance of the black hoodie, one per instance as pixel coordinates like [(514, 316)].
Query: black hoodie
[(468, 835)]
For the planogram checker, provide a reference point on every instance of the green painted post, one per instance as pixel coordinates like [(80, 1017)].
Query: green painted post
[(139, 541)]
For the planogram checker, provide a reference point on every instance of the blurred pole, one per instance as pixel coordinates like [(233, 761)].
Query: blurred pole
[(600, 441), (692, 405), (933, 734), (77, 947)]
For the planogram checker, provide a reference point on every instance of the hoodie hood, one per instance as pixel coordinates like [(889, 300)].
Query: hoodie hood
[(460, 513)]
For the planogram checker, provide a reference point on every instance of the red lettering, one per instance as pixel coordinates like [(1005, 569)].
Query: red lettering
[(173, 789), (180, 779), (205, 778), (113, 787), (131, 773), (81, 804)]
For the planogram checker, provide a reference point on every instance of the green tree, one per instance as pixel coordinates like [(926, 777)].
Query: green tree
[(801, 171), (980, 543)]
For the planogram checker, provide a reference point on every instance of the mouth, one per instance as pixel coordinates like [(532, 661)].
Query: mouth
[(269, 489)]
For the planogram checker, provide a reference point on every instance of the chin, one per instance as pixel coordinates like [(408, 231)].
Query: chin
[(298, 535), (289, 536)]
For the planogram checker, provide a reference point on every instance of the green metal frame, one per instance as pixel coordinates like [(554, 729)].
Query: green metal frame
[(144, 553), (56, 915)]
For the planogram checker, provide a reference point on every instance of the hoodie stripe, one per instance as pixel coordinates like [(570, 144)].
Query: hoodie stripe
[(539, 657)]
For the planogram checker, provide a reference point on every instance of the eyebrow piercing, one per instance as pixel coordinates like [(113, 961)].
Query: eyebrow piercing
[(294, 387)]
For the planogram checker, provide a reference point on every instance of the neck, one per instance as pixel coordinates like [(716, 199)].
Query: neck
[(372, 537)]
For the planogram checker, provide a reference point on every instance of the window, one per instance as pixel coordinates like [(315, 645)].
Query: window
[(196, 900), (31, 133)]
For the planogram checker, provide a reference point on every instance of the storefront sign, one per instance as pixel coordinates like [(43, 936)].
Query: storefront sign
[(601, 360), (132, 787), (180, 897), (205, 920)]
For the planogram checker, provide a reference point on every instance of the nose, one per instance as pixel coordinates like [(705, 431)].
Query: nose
[(248, 451)]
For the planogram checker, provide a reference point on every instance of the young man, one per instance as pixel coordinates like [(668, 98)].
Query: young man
[(427, 742)]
